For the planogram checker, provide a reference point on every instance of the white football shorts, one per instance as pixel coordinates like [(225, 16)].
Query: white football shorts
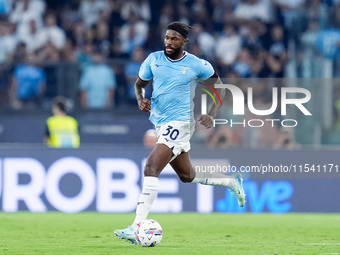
[(176, 135)]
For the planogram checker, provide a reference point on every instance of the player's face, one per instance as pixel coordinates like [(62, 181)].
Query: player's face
[(174, 44)]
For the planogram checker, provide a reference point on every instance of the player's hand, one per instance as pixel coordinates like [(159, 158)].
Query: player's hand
[(206, 121), (144, 105)]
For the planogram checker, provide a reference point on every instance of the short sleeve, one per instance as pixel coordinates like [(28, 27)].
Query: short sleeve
[(145, 72), (205, 69)]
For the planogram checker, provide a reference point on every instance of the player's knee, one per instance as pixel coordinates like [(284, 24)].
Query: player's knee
[(150, 170)]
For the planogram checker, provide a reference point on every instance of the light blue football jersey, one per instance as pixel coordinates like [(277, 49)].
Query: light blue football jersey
[(174, 84)]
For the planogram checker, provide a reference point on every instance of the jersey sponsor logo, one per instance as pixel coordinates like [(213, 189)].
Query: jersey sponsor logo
[(184, 69)]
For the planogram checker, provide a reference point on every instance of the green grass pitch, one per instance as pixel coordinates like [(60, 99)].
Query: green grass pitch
[(185, 233)]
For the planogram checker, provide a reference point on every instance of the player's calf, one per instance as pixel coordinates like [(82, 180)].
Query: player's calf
[(184, 177)]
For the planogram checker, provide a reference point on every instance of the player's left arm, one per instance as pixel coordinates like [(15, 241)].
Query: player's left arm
[(208, 119)]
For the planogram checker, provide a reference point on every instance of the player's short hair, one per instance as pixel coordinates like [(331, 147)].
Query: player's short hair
[(181, 28), (60, 102)]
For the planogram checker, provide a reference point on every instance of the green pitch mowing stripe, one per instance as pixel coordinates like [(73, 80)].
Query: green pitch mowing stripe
[(186, 233)]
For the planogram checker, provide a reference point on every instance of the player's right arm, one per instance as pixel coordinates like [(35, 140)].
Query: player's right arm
[(143, 103), (144, 76), (210, 77)]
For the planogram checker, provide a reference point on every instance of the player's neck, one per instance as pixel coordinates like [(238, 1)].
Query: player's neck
[(59, 113), (179, 57)]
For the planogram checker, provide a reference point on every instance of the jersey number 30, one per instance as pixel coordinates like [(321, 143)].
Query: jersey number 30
[(173, 133)]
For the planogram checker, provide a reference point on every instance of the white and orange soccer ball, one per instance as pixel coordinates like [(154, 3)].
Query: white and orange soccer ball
[(148, 233)]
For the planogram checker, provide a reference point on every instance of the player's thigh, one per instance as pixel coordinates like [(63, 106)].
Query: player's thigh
[(182, 166), (157, 160)]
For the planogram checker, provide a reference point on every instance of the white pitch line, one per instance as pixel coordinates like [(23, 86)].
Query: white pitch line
[(320, 243)]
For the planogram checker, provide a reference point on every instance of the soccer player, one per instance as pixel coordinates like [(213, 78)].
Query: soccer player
[(173, 72)]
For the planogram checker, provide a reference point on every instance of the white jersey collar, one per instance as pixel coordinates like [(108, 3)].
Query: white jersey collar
[(176, 60)]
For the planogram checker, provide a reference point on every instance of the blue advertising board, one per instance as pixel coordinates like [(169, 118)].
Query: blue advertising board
[(109, 180)]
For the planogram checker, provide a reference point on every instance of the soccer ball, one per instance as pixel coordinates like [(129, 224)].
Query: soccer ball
[(148, 233)]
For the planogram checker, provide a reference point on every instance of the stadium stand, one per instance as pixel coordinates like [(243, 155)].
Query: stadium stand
[(241, 38)]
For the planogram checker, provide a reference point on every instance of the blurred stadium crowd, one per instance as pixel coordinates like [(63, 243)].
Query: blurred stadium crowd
[(90, 50)]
